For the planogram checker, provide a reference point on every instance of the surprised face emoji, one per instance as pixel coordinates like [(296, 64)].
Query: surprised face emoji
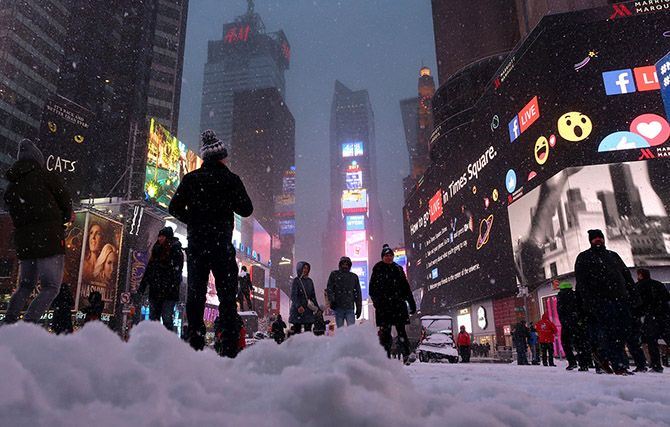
[(574, 126)]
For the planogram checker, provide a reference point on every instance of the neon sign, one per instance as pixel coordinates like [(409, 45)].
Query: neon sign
[(352, 149), (236, 34)]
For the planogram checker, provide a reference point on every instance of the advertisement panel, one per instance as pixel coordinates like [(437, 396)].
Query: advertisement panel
[(67, 148), (354, 201), (352, 149), (262, 243), (138, 265), (360, 268), (100, 261), (356, 245), (286, 226), (355, 222), (354, 179), (517, 200), (168, 160)]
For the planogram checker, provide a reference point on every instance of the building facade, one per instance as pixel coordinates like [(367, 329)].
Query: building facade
[(354, 220)]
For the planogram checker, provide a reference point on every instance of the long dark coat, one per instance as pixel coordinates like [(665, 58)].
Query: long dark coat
[(601, 274), (344, 289), (390, 294), (62, 307), (299, 298), (39, 205), (163, 277)]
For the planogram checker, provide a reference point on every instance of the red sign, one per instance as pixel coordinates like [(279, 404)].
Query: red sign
[(236, 34), (554, 284), (507, 330), (646, 78), (529, 114), (436, 206)]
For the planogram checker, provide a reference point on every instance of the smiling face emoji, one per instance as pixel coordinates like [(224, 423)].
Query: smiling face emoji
[(574, 126), (541, 150)]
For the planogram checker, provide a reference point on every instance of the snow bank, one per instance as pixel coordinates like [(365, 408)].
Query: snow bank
[(93, 378)]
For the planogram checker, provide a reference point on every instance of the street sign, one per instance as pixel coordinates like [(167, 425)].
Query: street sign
[(519, 309), (125, 297)]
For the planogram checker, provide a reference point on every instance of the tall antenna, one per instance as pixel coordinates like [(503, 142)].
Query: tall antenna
[(250, 7)]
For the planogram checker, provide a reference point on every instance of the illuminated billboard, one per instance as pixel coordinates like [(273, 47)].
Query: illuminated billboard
[(286, 226), (354, 180), (360, 268), (544, 159), (168, 160), (355, 222), (356, 245), (354, 201), (352, 149)]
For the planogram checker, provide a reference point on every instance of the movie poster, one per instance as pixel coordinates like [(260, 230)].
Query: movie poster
[(99, 269)]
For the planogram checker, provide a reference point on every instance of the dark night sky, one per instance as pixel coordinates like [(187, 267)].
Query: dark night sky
[(378, 45)]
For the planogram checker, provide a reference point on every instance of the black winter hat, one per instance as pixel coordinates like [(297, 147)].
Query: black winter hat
[(345, 260), (212, 147), (167, 232), (29, 151), (386, 249), (595, 233)]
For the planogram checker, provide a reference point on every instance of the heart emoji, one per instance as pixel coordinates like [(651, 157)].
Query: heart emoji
[(652, 127)]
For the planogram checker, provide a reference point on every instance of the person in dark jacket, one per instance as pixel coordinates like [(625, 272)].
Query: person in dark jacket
[(163, 277), (574, 333), (602, 278), (93, 311), (463, 342), (319, 323), (344, 294), (278, 327), (655, 309), (302, 298), (62, 307), (244, 289), (205, 201), (391, 294), (39, 206), (534, 344), (520, 336)]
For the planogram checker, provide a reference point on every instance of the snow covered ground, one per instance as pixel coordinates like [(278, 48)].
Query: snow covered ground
[(92, 378)]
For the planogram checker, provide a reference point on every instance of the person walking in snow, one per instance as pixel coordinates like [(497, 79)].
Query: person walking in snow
[(533, 343), (205, 201), (39, 206), (391, 294), (656, 312), (303, 300), (601, 278), (463, 342), (163, 277), (546, 330), (574, 334), (244, 289), (62, 307), (344, 294), (319, 323), (278, 327), (520, 336), (93, 311)]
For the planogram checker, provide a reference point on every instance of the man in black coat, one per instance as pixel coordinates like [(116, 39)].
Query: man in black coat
[(39, 206), (656, 313), (574, 333), (344, 293), (205, 201), (520, 337), (602, 278), (278, 327), (244, 289), (390, 294), (163, 277)]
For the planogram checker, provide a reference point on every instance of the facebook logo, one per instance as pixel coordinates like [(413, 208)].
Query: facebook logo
[(618, 82), (514, 130)]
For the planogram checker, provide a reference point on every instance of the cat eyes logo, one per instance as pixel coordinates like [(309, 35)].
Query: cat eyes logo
[(52, 126), (78, 139)]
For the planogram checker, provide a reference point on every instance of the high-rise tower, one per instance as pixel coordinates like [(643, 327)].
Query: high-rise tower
[(245, 58), (354, 222)]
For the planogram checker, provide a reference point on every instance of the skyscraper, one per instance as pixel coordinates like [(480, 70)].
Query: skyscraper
[(354, 221), (417, 120), (32, 35), (245, 58)]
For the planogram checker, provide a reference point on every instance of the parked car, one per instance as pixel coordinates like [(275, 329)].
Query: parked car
[(437, 340)]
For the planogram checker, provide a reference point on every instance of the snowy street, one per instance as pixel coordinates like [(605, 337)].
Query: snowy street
[(93, 378)]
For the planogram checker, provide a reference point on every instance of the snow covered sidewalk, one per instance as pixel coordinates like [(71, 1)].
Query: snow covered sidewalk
[(93, 378)]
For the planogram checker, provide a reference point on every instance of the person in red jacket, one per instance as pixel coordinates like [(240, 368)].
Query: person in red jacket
[(463, 342), (546, 330)]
